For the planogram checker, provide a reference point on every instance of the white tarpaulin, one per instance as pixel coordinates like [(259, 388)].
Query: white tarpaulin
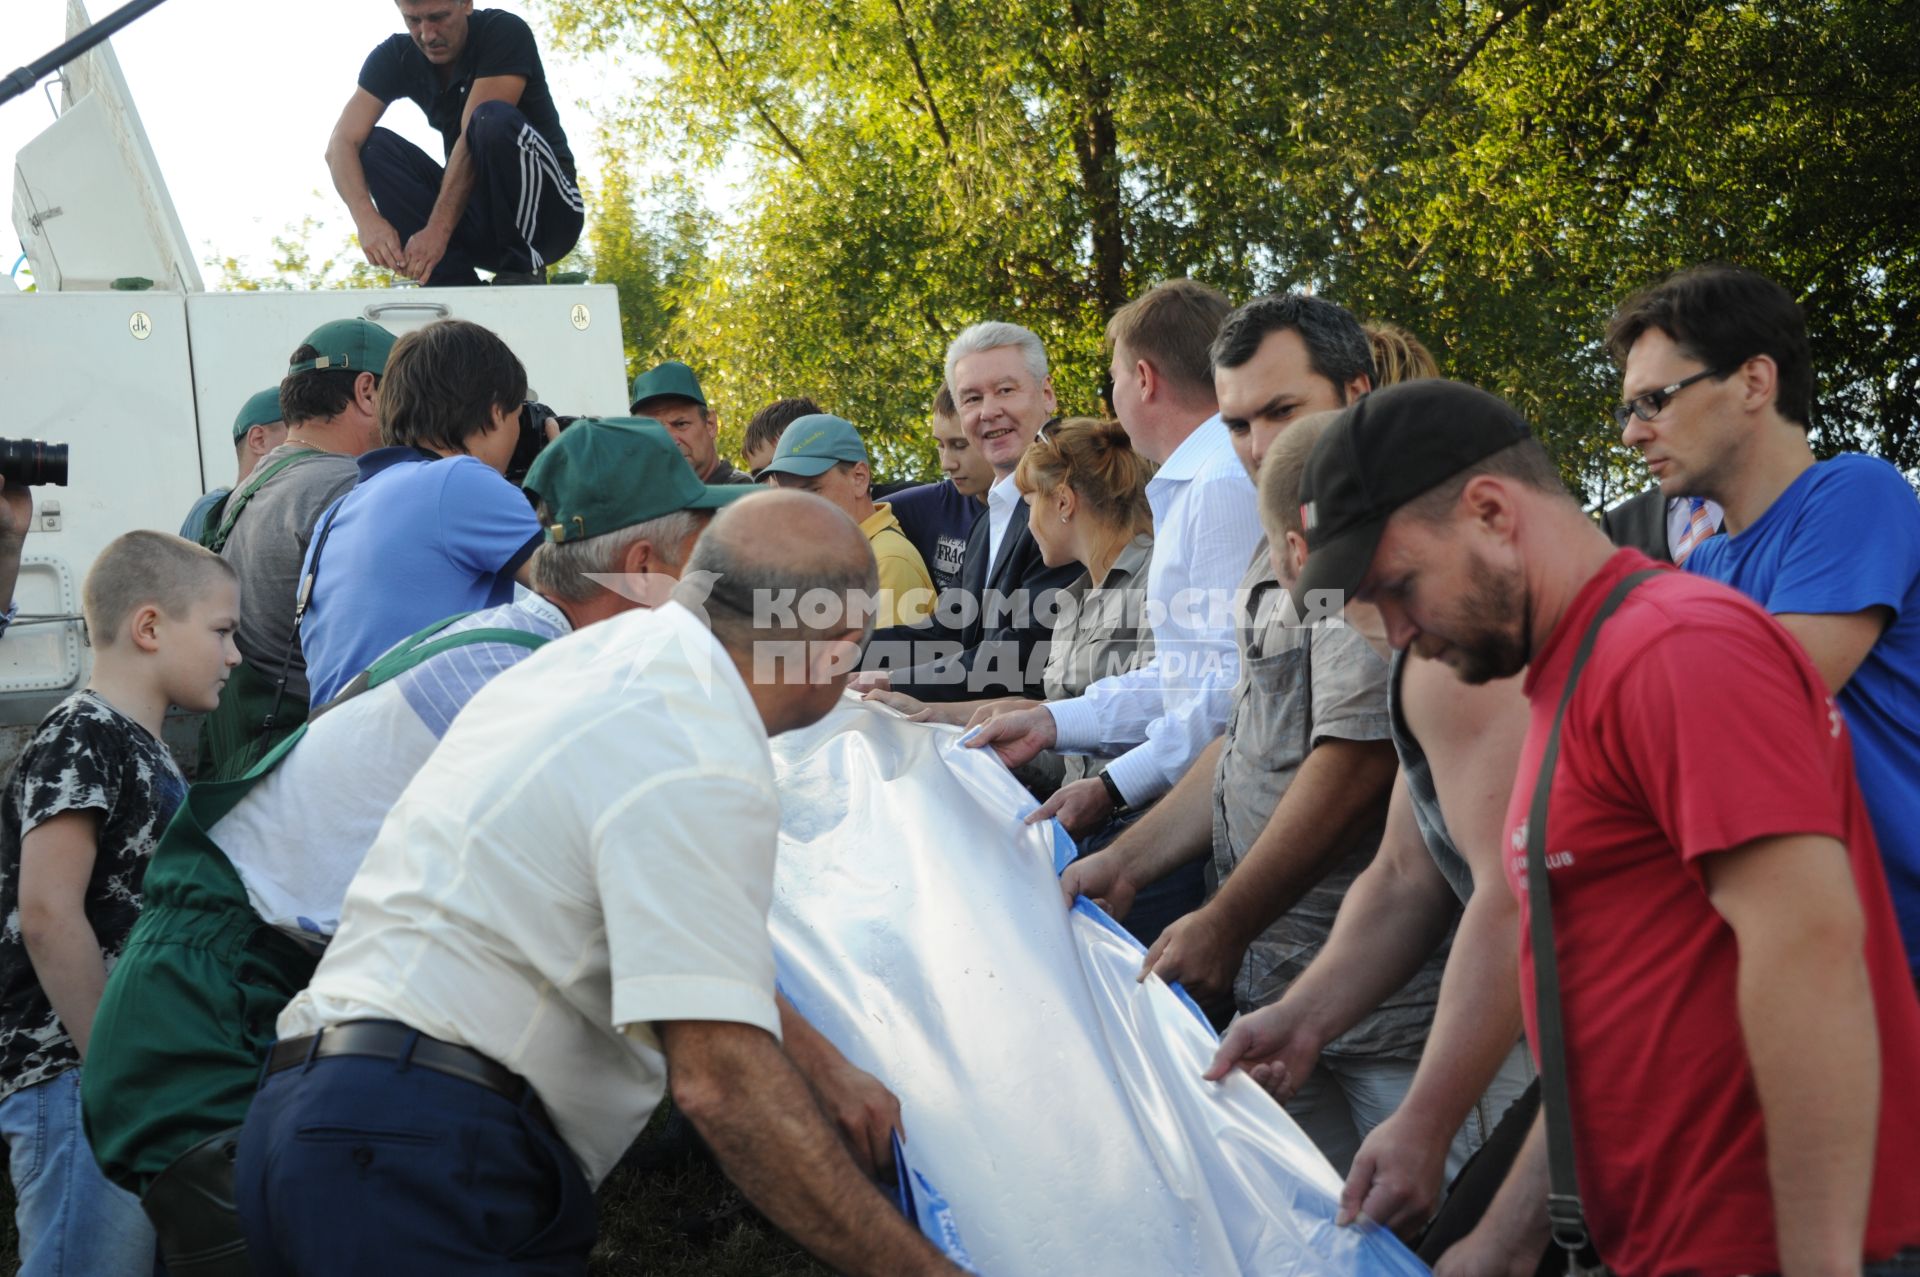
[(1057, 1123)]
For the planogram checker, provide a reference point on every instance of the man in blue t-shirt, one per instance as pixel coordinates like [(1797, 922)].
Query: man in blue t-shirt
[(937, 517), (432, 527), (1718, 394), (507, 200)]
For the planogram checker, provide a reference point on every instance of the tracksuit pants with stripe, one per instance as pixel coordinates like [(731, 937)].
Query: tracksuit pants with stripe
[(525, 210)]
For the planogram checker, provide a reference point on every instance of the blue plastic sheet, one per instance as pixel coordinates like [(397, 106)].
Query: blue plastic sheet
[(1057, 1122)]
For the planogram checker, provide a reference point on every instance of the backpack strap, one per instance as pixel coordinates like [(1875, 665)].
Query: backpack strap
[(417, 649), (1564, 1209), (226, 511)]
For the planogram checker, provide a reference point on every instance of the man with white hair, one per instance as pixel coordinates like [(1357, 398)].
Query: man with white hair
[(1160, 718), (995, 628)]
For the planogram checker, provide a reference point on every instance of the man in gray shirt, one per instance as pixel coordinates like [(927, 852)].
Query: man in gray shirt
[(1290, 802), (331, 402)]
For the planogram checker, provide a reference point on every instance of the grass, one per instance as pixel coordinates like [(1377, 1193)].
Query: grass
[(681, 1221), (640, 1233)]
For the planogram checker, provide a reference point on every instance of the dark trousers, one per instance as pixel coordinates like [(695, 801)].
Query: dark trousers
[(1158, 905), (351, 1166), (525, 211), (1473, 1189), (191, 1206)]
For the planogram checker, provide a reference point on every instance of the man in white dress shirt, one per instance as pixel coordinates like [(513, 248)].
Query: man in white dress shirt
[(1206, 525), (564, 914)]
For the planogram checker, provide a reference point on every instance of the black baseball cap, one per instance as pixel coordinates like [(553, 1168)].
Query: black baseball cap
[(1382, 451)]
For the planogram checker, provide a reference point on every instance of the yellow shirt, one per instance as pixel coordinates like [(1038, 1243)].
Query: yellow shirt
[(906, 588)]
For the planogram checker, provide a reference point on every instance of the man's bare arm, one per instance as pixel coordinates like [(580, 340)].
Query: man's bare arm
[(1473, 736), (1339, 788), (866, 1112), (1514, 1232), (1174, 831), (429, 244), (755, 1112), (16, 516), (378, 239), (1837, 642), (1795, 912)]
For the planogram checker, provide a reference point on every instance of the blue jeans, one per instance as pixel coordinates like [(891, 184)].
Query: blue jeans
[(71, 1220), (358, 1165)]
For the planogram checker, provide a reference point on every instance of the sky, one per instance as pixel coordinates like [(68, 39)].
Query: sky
[(238, 97)]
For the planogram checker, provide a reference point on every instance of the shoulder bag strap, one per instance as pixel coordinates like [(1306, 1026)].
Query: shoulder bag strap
[(301, 599), (422, 647), (1564, 1210), (222, 517)]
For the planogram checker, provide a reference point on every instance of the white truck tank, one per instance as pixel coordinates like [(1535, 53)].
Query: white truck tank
[(143, 385)]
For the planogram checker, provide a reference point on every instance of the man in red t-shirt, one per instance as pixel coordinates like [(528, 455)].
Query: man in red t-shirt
[(1740, 1025)]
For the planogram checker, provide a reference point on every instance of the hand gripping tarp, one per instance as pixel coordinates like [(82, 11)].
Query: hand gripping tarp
[(1057, 1123)]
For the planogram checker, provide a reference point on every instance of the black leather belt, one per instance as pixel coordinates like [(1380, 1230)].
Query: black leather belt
[(392, 1040)]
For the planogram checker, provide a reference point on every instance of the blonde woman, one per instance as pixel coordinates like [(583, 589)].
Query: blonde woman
[(1397, 355), (1086, 494)]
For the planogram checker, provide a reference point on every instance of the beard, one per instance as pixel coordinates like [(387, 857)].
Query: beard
[(1494, 602)]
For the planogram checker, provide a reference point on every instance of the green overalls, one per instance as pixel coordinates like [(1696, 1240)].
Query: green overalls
[(189, 1009)]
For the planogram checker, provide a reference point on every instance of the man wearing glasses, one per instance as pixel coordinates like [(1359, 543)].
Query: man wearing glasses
[(1718, 387)]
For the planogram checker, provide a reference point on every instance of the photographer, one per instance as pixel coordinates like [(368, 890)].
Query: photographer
[(433, 527), (16, 516)]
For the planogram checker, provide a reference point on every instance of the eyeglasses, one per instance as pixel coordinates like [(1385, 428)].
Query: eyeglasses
[(1648, 406)]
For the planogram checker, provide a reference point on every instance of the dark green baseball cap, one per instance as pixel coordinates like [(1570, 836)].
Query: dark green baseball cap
[(357, 344), (262, 409), (815, 444), (607, 473), (672, 378)]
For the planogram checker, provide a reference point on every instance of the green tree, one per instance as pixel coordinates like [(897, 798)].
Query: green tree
[(305, 255), (1493, 174), (651, 245)]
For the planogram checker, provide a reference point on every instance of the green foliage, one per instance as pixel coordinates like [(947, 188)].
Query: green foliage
[(650, 244), (298, 263), (1493, 174)]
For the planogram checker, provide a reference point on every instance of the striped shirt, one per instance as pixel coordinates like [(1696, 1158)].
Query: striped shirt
[(299, 836)]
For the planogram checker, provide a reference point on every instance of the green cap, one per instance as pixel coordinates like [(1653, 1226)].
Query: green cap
[(815, 444), (607, 473), (262, 409), (358, 344), (671, 378)]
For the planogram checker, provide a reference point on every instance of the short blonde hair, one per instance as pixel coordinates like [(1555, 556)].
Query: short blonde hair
[(145, 567), (1282, 470)]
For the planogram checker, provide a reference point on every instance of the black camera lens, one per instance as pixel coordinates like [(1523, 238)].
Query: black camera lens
[(32, 462)]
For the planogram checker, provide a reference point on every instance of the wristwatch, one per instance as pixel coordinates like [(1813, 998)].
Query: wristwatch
[(1113, 791)]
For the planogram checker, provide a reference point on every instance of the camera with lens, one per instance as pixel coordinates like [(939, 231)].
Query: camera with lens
[(32, 462), (534, 417)]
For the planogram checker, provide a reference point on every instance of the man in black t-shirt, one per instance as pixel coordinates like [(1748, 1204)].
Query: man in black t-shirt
[(507, 200)]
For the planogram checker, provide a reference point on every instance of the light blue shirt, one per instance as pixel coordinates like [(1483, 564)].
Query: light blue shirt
[(1158, 718)]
